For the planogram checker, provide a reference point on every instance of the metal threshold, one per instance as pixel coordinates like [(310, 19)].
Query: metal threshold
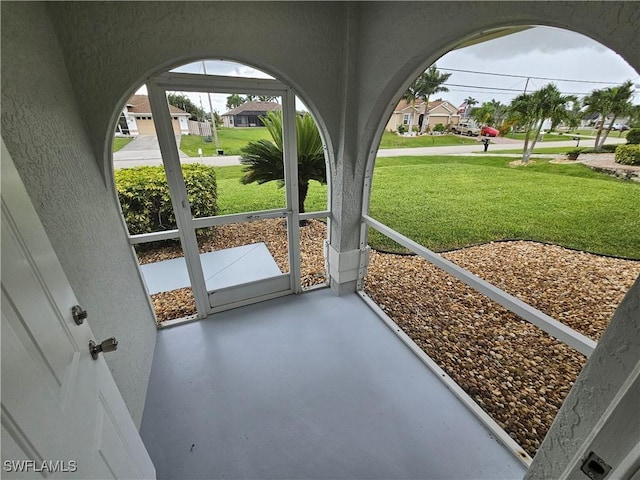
[(308, 386)]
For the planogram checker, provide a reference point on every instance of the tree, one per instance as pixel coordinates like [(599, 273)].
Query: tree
[(411, 95), (268, 98), (469, 102), (575, 115), (264, 162), (619, 105), (234, 100), (429, 83), (531, 111), (609, 101), (184, 103)]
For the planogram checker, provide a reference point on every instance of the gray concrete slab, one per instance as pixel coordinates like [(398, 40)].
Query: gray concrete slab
[(307, 386), (223, 268)]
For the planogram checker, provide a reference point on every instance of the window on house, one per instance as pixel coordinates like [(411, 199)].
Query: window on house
[(405, 119)]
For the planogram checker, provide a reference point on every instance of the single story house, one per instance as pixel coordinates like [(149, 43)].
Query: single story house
[(248, 114), (136, 118), (439, 111)]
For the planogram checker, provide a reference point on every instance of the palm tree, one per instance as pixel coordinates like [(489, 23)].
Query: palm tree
[(532, 110), (523, 111), (614, 101), (430, 83), (410, 96), (619, 105), (264, 162), (234, 100)]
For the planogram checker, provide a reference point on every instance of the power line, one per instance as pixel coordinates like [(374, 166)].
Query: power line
[(526, 76), (497, 89)]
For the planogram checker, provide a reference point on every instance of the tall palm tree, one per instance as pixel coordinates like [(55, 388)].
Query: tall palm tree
[(533, 109), (264, 162), (430, 83), (411, 96), (619, 105), (598, 101)]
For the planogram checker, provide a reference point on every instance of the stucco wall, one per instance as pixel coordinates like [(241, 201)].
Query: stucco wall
[(45, 134)]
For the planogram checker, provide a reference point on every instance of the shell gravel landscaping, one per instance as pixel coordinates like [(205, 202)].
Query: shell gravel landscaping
[(513, 370)]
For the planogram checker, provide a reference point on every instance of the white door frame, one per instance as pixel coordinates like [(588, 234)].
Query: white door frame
[(211, 302)]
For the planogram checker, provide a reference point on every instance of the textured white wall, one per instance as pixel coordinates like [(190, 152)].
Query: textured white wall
[(45, 134)]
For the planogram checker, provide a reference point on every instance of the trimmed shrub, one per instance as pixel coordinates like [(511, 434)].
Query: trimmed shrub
[(633, 136), (145, 200), (402, 129), (628, 154), (439, 128)]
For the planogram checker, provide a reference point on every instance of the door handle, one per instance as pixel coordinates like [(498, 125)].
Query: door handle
[(109, 345)]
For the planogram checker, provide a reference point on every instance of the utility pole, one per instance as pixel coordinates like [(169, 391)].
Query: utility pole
[(213, 117), (526, 85)]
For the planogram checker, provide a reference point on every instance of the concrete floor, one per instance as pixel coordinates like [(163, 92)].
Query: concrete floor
[(307, 386)]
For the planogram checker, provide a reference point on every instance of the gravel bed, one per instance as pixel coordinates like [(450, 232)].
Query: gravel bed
[(514, 371)]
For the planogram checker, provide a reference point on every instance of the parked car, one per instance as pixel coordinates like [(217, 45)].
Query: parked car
[(466, 128), (488, 131), (619, 126)]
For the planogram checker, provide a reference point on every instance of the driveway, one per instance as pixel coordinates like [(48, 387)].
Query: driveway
[(144, 148)]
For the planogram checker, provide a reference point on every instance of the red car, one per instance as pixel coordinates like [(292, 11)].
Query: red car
[(488, 131)]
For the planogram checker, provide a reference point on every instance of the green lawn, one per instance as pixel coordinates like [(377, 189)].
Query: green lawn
[(234, 197), (548, 137), (119, 142), (448, 202), (549, 150), (392, 140), (231, 141)]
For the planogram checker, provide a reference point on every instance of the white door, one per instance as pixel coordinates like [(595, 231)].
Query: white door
[(62, 414), (209, 296)]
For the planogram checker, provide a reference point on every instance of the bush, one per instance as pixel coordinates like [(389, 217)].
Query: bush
[(628, 154), (633, 136), (439, 128), (402, 129), (146, 203)]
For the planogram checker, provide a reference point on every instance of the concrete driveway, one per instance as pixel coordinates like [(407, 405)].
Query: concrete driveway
[(143, 148)]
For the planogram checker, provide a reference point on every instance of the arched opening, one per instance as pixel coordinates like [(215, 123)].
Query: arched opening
[(221, 175), (467, 203)]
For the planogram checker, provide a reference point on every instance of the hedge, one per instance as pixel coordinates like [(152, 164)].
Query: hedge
[(628, 154), (145, 200), (633, 136)]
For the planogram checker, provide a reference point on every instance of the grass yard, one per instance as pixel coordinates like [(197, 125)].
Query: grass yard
[(549, 150), (119, 142), (231, 141), (234, 197), (548, 137), (392, 140), (451, 202)]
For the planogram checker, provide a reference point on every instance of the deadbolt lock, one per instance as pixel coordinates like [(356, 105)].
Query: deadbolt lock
[(109, 345), (79, 314)]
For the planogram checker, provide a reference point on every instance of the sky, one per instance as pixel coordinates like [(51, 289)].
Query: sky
[(547, 52)]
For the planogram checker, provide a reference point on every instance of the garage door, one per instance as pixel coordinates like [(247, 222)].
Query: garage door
[(146, 127)]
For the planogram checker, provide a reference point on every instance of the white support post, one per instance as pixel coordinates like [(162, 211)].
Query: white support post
[(179, 197), (290, 147)]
